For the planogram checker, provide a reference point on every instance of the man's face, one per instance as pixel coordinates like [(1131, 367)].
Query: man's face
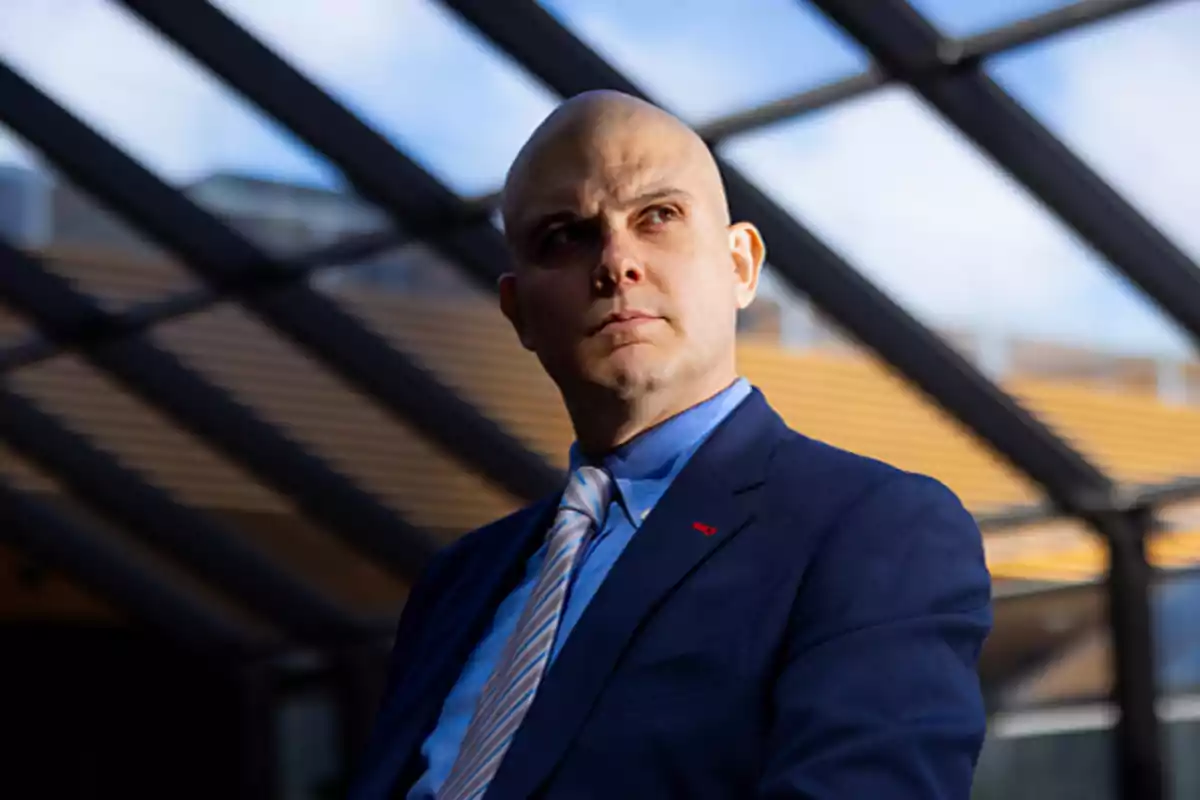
[(627, 274)]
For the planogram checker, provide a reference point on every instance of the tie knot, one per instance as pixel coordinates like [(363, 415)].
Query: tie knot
[(588, 491)]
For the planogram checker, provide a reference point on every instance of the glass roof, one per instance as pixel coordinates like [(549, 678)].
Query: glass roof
[(932, 220), (909, 201), (881, 178), (687, 56), (416, 73), (1125, 96), (119, 76)]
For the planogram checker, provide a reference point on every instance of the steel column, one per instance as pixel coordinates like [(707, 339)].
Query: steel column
[(1141, 763)]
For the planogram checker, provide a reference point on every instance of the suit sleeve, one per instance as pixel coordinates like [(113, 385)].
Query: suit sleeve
[(877, 695)]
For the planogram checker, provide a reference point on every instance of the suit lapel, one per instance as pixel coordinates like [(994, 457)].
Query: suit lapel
[(458, 622), (710, 501)]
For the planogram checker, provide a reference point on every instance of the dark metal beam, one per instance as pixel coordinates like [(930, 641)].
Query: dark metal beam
[(1044, 26), (378, 172), (552, 53), (908, 47), (142, 317), (158, 377), (1141, 768), (192, 539), (362, 246), (98, 564), (319, 326), (980, 46)]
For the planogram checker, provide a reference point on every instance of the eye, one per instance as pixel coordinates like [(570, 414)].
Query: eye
[(566, 236), (656, 216)]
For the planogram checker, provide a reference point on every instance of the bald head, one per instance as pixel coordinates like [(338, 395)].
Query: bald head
[(629, 275), (601, 140)]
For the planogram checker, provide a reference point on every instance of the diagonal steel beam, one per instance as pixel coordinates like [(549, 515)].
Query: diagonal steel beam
[(552, 53), (979, 46), (31, 525), (158, 377), (907, 46), (988, 43), (378, 172), (319, 326), (193, 539), (142, 317)]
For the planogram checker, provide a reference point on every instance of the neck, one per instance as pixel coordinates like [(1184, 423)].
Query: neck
[(604, 420)]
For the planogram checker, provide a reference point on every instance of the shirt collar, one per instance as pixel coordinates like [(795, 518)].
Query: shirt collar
[(644, 467)]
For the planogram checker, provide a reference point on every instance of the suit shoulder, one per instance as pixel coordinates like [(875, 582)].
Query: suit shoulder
[(845, 478)]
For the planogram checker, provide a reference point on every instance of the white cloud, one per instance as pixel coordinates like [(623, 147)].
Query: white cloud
[(1130, 106), (708, 59), (405, 65), (102, 64), (916, 207)]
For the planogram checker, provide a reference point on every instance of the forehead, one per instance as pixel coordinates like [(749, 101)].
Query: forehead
[(579, 173)]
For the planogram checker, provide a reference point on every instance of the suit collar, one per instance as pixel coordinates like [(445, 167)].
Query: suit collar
[(710, 502), (645, 467)]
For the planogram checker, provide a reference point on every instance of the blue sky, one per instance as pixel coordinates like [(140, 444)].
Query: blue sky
[(882, 179)]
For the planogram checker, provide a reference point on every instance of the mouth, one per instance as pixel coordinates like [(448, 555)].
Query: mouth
[(624, 321)]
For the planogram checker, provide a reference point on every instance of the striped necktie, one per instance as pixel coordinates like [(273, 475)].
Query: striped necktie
[(511, 688)]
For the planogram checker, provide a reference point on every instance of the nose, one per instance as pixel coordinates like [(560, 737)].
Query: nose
[(619, 263)]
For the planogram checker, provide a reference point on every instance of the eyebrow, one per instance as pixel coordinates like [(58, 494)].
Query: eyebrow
[(556, 211)]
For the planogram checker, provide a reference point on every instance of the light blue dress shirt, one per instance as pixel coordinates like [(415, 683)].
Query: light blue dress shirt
[(643, 470)]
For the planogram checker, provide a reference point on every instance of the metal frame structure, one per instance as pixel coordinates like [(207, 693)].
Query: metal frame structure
[(101, 565), (906, 49), (323, 494), (220, 257)]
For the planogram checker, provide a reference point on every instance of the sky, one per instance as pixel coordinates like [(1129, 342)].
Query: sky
[(883, 179)]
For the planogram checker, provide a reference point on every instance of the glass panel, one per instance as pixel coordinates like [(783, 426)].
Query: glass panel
[(705, 58), (79, 239), (1125, 95), (310, 760), (92, 404), (317, 409), (832, 389), (965, 17), (1047, 648), (919, 210), (198, 476), (121, 77), (31, 588), (1055, 552), (454, 327), (415, 72)]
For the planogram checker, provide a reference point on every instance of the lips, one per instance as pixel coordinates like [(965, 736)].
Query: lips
[(625, 320)]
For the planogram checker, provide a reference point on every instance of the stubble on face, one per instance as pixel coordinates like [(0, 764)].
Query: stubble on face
[(615, 207)]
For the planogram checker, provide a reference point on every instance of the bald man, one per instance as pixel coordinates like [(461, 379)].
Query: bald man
[(714, 606)]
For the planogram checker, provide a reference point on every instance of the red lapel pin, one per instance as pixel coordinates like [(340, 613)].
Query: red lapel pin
[(707, 530)]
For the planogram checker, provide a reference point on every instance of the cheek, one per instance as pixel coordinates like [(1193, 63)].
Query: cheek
[(552, 314)]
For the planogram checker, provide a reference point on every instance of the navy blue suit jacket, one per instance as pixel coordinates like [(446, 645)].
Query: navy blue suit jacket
[(815, 635)]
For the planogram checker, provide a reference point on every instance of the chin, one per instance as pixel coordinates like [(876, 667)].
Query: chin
[(629, 374)]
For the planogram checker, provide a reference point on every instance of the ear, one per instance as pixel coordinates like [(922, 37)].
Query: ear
[(749, 252), (511, 308)]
